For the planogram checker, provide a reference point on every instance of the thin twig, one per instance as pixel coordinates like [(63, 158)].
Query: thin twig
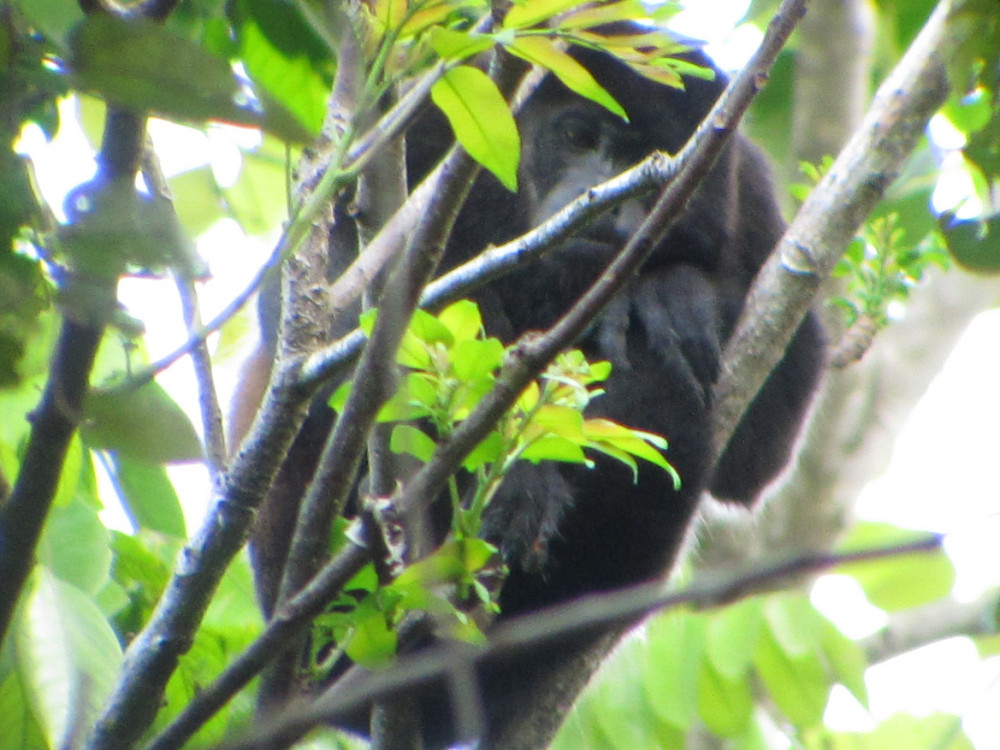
[(208, 397)]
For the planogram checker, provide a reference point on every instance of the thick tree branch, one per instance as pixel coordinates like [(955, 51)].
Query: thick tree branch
[(153, 654), (828, 220), (54, 423), (944, 618), (288, 622)]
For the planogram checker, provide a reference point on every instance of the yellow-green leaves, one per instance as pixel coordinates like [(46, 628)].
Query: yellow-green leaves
[(524, 15), (450, 366), (481, 120), (544, 51)]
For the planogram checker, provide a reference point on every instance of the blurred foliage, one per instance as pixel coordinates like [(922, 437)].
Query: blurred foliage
[(757, 670), (757, 674)]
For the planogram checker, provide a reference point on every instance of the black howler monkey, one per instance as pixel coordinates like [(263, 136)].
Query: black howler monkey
[(566, 530)]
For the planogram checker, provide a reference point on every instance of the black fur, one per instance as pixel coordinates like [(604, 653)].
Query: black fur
[(566, 530)]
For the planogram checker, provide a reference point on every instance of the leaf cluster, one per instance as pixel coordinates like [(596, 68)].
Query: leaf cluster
[(762, 667)]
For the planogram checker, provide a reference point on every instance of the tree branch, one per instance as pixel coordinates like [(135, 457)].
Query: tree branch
[(60, 410), (785, 287), (208, 397), (588, 614)]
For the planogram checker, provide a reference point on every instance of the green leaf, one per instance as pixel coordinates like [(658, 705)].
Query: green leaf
[(233, 611), (429, 329), (144, 66), (24, 296), (732, 638), (794, 623), (403, 405), (258, 199), (481, 121), (54, 18), (451, 562), (424, 330), (531, 13), (203, 661), (474, 553), (796, 681), (473, 360), (196, 199), (67, 654), (901, 582), (846, 661), (144, 424), (463, 320), (410, 440), (599, 14), (905, 732), (621, 442), (18, 207), (457, 45), (621, 717), (19, 729), (968, 112), (543, 51), (676, 643), (371, 643), (112, 227), (562, 421), (284, 57), (553, 448), (75, 546), (71, 473), (150, 496), (725, 705), (488, 451), (141, 567), (975, 244)]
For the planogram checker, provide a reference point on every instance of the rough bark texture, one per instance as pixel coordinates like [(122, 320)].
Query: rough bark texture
[(864, 406)]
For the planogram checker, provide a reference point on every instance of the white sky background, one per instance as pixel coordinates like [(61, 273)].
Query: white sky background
[(942, 477)]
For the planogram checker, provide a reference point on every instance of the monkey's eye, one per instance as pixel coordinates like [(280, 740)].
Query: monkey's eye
[(577, 133)]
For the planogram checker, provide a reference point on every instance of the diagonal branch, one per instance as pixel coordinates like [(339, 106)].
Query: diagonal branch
[(584, 615), (828, 220)]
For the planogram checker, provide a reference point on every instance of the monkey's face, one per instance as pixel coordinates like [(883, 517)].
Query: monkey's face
[(569, 146)]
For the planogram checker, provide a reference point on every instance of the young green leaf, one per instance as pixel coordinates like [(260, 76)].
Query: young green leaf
[(481, 120), (543, 51), (411, 440), (526, 14), (457, 45), (725, 705), (797, 682)]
